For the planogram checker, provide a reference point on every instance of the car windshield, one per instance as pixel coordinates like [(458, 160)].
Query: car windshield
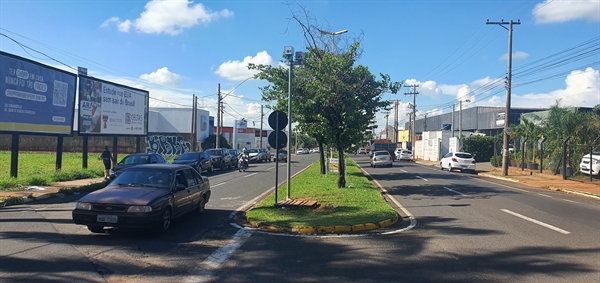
[(189, 155), (283, 152), (135, 159), (252, 150), (145, 177), (463, 155), (214, 152)]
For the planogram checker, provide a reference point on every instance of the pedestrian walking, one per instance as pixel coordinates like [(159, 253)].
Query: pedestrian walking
[(107, 159)]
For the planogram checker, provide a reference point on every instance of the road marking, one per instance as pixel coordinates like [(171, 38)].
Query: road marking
[(501, 185), (545, 195), (570, 200), (250, 175), (422, 178), (230, 198), (537, 222), (403, 171), (204, 272), (218, 184), (454, 191), (270, 168)]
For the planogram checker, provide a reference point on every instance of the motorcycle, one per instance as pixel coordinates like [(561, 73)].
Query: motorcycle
[(242, 164)]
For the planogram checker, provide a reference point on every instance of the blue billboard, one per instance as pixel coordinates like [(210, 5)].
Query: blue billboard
[(35, 98)]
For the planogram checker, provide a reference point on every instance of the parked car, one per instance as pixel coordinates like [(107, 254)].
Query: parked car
[(381, 158), (314, 150), (282, 155), (302, 151), (220, 158), (403, 154), (362, 150), (136, 159), (458, 160), (264, 155), (201, 161), (148, 195), (590, 168), (234, 154), (255, 155)]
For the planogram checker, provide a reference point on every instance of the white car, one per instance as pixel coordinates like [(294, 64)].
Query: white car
[(585, 166), (302, 151), (462, 161), (314, 150), (403, 154), (381, 158), (362, 150)]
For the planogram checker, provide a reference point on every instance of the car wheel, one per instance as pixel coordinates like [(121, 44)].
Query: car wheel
[(166, 219), (441, 167), (211, 169), (201, 205), (96, 229), (450, 167)]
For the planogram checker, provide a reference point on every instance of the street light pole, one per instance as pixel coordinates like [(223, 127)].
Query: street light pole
[(460, 139), (289, 53), (333, 34)]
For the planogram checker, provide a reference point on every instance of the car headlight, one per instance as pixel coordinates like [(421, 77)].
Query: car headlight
[(139, 208), (84, 206)]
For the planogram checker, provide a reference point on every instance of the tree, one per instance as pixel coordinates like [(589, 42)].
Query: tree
[(334, 99), (210, 141)]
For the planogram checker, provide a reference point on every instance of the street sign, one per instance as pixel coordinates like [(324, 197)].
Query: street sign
[(278, 120), (277, 139)]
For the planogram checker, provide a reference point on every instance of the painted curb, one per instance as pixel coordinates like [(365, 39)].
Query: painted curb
[(326, 229), (498, 177)]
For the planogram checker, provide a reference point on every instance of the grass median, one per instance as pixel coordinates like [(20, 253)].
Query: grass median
[(359, 203)]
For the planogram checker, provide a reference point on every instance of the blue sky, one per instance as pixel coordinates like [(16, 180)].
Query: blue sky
[(178, 48)]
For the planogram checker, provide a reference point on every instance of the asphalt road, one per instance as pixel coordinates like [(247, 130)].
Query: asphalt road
[(468, 229), (40, 243)]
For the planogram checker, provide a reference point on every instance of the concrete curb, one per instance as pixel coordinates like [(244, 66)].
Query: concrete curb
[(22, 200), (497, 177), (326, 229)]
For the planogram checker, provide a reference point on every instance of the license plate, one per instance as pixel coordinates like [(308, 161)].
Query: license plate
[(107, 218)]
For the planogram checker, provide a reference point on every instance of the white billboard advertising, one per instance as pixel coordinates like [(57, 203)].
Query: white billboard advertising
[(35, 98), (110, 109)]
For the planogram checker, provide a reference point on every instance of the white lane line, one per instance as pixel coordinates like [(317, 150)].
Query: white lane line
[(545, 195), (422, 178), (570, 200), (250, 175), (270, 168), (218, 184), (403, 171), (204, 272), (537, 222), (454, 191)]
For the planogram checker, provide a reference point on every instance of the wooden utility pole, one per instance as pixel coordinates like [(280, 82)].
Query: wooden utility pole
[(261, 124), (414, 94), (508, 90), (194, 122), (387, 133), (218, 116), (395, 138)]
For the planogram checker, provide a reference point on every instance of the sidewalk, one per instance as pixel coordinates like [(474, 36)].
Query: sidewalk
[(43, 192), (545, 180)]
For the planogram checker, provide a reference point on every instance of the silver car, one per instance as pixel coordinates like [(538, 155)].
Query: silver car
[(381, 158)]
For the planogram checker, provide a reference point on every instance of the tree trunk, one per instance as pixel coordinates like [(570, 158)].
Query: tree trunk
[(341, 168), (322, 158)]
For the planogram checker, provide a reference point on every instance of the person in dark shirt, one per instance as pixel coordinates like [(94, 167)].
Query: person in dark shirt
[(107, 159)]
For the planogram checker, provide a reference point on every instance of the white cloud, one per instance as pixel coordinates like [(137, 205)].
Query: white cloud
[(515, 56), (559, 11), (582, 90), (238, 70), (169, 17), (162, 76)]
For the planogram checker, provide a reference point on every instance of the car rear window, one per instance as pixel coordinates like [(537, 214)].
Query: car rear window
[(382, 153), (463, 155), (190, 155)]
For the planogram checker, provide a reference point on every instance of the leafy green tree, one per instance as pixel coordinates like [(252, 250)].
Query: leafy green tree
[(210, 142), (482, 147)]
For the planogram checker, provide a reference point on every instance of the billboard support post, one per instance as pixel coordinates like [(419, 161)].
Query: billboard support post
[(14, 156), (59, 152), (84, 160), (115, 142)]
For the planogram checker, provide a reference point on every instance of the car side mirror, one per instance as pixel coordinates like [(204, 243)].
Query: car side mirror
[(179, 187)]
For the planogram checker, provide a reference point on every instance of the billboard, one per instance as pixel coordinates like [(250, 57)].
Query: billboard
[(107, 108), (35, 98)]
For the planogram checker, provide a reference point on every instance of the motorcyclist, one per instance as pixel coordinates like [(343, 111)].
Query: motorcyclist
[(244, 157)]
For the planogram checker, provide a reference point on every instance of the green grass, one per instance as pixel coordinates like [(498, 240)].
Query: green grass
[(39, 169), (359, 203)]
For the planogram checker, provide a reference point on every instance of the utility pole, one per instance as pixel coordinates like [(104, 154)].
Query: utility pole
[(387, 133), (414, 94), (460, 126), (396, 121), (218, 116), (261, 124), (194, 122), (452, 125), (425, 124), (508, 90)]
